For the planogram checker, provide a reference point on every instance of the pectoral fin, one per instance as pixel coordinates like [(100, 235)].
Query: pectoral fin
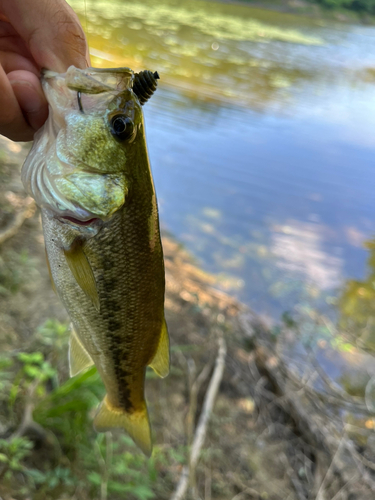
[(136, 424), (79, 358), (160, 362), (81, 270)]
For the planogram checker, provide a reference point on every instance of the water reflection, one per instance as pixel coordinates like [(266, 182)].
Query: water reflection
[(357, 305), (298, 248), (229, 182), (340, 352)]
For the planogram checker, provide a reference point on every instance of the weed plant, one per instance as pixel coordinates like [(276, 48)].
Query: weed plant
[(49, 449)]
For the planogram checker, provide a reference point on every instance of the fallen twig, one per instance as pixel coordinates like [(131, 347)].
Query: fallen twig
[(27, 423), (194, 389), (18, 220), (201, 430), (319, 433)]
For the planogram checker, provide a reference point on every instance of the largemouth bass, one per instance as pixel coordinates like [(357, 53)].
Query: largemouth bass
[(89, 172)]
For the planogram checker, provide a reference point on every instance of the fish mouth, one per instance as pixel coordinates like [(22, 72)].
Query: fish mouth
[(78, 222)]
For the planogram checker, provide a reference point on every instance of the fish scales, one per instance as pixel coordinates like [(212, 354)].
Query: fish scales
[(108, 270)]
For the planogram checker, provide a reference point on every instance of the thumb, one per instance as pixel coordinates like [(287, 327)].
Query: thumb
[(29, 94), (51, 31)]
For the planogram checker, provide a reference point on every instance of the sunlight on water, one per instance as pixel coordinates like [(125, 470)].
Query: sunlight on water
[(208, 51)]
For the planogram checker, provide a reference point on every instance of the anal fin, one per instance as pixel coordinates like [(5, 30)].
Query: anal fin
[(79, 358), (82, 271), (136, 424), (160, 362)]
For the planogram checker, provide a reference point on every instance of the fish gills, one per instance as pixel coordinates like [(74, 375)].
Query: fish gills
[(136, 424)]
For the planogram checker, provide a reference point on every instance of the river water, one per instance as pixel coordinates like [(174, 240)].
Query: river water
[(261, 139)]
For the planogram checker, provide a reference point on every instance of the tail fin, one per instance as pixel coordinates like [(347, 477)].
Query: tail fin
[(136, 424)]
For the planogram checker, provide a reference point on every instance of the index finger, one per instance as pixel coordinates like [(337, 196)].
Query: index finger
[(12, 120), (51, 31)]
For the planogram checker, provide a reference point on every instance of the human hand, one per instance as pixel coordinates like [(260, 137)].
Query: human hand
[(34, 34)]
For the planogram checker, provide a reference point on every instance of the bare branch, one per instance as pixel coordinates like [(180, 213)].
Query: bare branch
[(201, 430), (18, 220)]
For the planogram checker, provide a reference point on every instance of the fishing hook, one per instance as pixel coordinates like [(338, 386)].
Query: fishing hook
[(79, 102)]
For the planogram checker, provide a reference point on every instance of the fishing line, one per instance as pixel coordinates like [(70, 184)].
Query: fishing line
[(86, 25)]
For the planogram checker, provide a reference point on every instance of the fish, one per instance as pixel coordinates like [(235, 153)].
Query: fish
[(89, 172)]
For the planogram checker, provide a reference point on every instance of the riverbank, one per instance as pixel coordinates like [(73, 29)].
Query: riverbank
[(271, 431), (308, 9)]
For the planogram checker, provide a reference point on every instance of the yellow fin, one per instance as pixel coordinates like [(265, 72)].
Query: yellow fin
[(136, 424), (50, 272), (160, 362), (79, 358), (81, 270)]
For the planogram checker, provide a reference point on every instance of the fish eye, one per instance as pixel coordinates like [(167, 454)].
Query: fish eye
[(122, 127)]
